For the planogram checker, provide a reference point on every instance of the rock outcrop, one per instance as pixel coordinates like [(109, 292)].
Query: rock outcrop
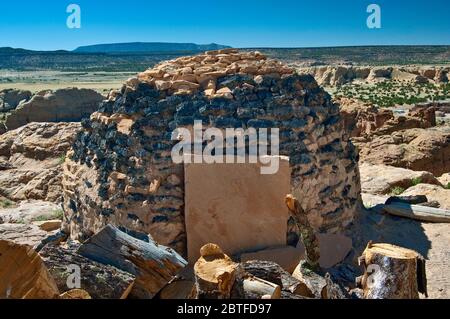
[(11, 98), (362, 119), (335, 75), (120, 170), (415, 149), (64, 105), (433, 193), (31, 159), (382, 179)]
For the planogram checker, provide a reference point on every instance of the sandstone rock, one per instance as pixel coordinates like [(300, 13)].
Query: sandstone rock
[(23, 275), (28, 211), (35, 153), (415, 149), (22, 234), (48, 225), (334, 75), (69, 105), (381, 179), (219, 194), (362, 119), (11, 98), (432, 192), (445, 179), (333, 249)]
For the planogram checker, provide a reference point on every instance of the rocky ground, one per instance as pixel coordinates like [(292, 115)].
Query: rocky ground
[(406, 155)]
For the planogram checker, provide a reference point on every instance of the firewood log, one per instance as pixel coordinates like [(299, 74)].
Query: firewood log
[(152, 264), (392, 272), (98, 280), (23, 275), (257, 288), (421, 213), (216, 274)]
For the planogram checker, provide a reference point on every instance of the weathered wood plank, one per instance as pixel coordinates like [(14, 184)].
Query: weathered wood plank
[(153, 265), (422, 213), (98, 280)]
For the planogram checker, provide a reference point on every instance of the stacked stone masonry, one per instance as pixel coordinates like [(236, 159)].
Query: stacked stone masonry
[(120, 169)]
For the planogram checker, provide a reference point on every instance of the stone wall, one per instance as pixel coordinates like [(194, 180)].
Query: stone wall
[(120, 170)]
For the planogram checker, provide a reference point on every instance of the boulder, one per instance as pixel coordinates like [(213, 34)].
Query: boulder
[(414, 149), (445, 180), (35, 154), (48, 225), (64, 105), (432, 192), (381, 179), (11, 98), (22, 234), (28, 211)]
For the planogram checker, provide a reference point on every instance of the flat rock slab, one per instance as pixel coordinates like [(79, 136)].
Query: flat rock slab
[(381, 179), (26, 211), (235, 207), (21, 234), (287, 257), (333, 250)]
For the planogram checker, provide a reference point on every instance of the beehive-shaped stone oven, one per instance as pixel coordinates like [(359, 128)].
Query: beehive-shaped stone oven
[(120, 170)]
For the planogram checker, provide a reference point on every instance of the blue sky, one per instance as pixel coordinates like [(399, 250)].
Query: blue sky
[(240, 23)]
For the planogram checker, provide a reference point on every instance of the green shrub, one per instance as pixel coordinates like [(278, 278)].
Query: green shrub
[(62, 159), (6, 203), (447, 186), (397, 190), (416, 181), (56, 214)]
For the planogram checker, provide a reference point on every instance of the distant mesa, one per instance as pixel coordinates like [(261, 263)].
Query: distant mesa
[(148, 47)]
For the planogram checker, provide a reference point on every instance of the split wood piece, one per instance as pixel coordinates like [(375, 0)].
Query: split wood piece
[(291, 288), (23, 275), (392, 272), (334, 290), (307, 233), (153, 265), (98, 280), (182, 286), (75, 294), (215, 274), (257, 288), (314, 284), (422, 213)]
